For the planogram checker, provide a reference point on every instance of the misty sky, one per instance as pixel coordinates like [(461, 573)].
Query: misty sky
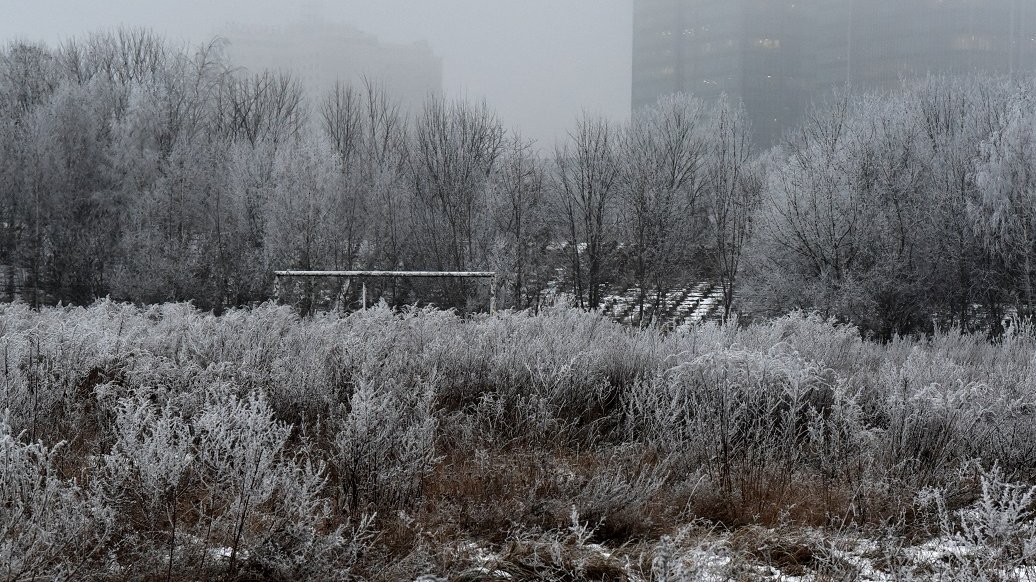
[(539, 63)]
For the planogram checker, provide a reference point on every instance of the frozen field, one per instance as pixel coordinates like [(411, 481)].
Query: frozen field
[(164, 442)]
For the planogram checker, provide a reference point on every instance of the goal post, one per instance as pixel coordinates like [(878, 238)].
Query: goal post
[(490, 275)]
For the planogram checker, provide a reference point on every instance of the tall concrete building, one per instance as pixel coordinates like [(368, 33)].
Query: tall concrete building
[(320, 53), (780, 56)]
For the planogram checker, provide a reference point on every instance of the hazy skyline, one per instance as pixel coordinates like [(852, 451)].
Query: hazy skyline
[(538, 63)]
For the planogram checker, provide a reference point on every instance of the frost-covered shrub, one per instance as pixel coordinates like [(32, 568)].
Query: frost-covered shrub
[(300, 378), (624, 496), (1007, 432), (301, 540), (223, 484), (724, 401), (385, 346), (239, 451), (544, 380), (47, 376), (677, 557), (1003, 519), (751, 421), (50, 527), (262, 442), (996, 535), (813, 338), (384, 443), (149, 472), (928, 413)]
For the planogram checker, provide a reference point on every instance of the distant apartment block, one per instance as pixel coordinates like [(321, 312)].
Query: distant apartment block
[(779, 56), (319, 53)]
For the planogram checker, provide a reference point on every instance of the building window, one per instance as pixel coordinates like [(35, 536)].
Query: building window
[(972, 42)]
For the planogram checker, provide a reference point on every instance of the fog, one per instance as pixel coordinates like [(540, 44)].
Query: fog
[(538, 63)]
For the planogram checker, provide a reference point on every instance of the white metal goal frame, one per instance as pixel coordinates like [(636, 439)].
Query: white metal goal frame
[(491, 275)]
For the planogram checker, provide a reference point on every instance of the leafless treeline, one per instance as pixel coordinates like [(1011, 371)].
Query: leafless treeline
[(148, 172), (907, 211), (153, 173)]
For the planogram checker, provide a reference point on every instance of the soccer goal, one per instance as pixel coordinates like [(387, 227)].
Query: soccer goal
[(338, 294)]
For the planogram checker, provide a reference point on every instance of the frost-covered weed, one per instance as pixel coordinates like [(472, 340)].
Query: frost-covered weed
[(681, 557), (259, 441), (742, 419), (301, 541), (50, 527), (618, 496), (384, 443), (925, 428), (224, 479), (1004, 517), (735, 407), (151, 468), (996, 535), (239, 453)]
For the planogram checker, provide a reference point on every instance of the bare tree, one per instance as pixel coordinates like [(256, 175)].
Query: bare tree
[(303, 226), (1005, 214), (522, 185), (955, 118), (27, 82), (734, 189), (367, 132), (586, 180), (28, 77), (664, 155), (341, 116), (126, 56), (263, 107), (454, 151), (814, 210)]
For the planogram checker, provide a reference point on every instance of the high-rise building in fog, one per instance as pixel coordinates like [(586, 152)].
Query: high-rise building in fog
[(320, 53), (779, 56)]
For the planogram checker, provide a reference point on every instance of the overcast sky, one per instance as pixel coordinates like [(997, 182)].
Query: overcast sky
[(539, 63)]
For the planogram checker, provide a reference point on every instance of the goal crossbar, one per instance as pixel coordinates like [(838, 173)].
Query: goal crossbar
[(391, 274), (462, 274)]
